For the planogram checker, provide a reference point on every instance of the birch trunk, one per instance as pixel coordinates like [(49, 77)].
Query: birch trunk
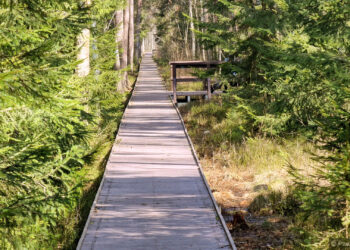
[(143, 46), (83, 43), (119, 38), (192, 30)]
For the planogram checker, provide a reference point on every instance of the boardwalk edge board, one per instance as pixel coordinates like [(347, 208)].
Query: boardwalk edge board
[(217, 209)]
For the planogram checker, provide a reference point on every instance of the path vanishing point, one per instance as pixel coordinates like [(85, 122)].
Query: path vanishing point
[(153, 194)]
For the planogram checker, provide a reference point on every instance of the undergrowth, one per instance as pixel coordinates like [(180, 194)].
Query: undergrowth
[(247, 171)]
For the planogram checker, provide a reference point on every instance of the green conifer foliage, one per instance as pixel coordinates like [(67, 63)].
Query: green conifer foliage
[(42, 133), (50, 120), (280, 60), (288, 70)]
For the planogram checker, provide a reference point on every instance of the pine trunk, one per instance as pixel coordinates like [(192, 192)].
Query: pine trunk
[(203, 20), (124, 61), (131, 35), (138, 29)]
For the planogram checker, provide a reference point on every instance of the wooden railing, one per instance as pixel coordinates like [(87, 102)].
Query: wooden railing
[(191, 64)]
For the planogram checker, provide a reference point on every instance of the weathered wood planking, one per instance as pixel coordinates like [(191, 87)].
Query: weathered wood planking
[(195, 64), (153, 195), (195, 93)]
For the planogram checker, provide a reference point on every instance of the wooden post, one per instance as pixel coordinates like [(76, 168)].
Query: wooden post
[(208, 84), (209, 88), (174, 83)]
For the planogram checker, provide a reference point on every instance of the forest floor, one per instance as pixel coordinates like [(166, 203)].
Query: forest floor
[(251, 227)]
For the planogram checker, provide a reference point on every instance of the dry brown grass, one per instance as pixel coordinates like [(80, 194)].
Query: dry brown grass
[(238, 168), (241, 173)]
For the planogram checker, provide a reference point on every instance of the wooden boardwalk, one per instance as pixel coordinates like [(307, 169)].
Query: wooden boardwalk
[(153, 195)]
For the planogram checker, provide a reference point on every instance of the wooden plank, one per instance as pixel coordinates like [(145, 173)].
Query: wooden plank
[(188, 79), (152, 194), (192, 93), (195, 63), (218, 210), (196, 93)]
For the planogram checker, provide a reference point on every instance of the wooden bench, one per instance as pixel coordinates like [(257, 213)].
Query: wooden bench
[(191, 64)]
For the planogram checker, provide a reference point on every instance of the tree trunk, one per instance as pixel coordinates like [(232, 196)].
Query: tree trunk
[(219, 53), (119, 46), (196, 16), (186, 42), (192, 30), (131, 35), (83, 43), (208, 51), (124, 61), (143, 46), (138, 29), (119, 38), (195, 7), (204, 58)]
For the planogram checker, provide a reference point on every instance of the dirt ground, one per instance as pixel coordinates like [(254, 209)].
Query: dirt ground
[(250, 230), (263, 232)]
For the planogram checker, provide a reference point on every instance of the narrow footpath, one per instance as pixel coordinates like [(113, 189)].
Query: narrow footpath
[(153, 195)]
